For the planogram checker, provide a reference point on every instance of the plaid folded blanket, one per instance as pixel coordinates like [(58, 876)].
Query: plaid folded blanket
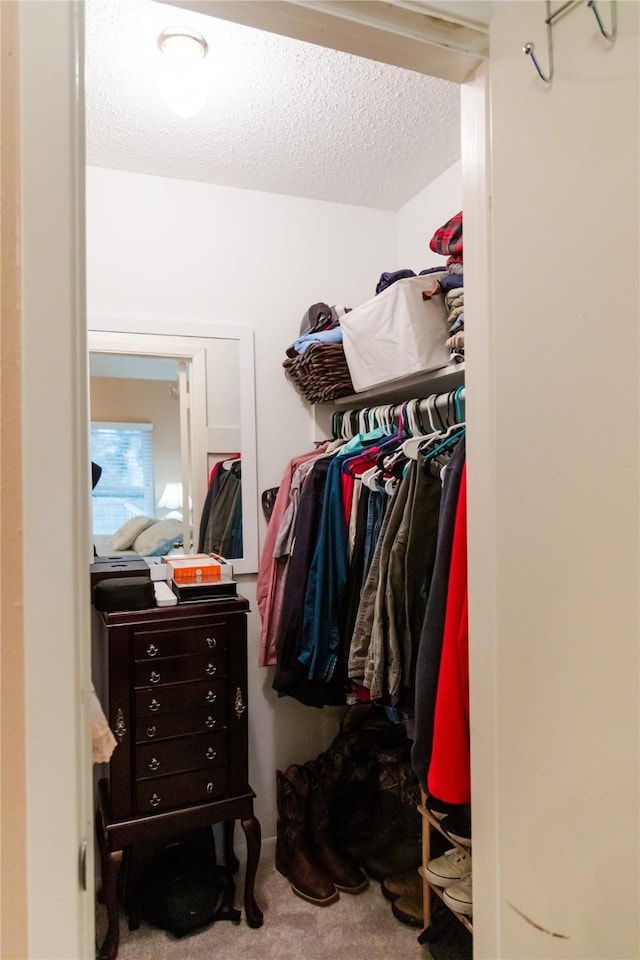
[(447, 239)]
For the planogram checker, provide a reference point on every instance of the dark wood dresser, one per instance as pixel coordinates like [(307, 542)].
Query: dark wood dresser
[(177, 704)]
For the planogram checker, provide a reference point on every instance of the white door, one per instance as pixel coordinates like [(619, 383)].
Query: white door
[(55, 485)]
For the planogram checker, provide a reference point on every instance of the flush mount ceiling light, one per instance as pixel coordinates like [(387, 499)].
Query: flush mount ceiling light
[(182, 78)]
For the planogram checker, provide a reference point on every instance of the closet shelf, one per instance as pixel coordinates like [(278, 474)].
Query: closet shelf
[(415, 386)]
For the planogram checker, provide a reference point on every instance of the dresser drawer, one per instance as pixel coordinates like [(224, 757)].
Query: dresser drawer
[(152, 701), (180, 754), (175, 669), (163, 793), (154, 644), (204, 720)]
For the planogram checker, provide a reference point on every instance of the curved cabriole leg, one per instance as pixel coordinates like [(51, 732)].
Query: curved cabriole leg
[(230, 860), (252, 911), (111, 862)]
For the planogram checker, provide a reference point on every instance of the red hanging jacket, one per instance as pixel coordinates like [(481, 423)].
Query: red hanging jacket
[(449, 776)]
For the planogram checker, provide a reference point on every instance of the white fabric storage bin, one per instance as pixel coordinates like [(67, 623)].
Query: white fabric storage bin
[(395, 334)]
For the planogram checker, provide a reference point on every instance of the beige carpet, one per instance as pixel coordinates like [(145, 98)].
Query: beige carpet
[(358, 927)]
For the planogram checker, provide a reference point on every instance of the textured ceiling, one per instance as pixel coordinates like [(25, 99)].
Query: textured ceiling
[(282, 116)]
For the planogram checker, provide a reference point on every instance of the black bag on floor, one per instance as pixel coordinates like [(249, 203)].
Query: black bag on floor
[(184, 889)]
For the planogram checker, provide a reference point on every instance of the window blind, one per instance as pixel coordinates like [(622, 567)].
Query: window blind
[(126, 486)]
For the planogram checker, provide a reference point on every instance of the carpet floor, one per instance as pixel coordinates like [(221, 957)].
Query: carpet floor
[(360, 927)]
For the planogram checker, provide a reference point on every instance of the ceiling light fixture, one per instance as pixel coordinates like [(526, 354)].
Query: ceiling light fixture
[(182, 79)]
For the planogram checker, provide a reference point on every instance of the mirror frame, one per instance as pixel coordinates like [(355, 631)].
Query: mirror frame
[(183, 340)]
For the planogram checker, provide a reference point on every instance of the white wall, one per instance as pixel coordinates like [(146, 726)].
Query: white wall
[(183, 250), (418, 219), (562, 438)]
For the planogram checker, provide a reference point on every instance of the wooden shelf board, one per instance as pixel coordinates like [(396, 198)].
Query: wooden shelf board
[(415, 386)]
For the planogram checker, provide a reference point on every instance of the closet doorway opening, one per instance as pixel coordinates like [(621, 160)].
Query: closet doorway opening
[(371, 117)]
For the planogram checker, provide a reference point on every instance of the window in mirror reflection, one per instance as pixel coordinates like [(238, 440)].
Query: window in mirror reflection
[(124, 452), (135, 439)]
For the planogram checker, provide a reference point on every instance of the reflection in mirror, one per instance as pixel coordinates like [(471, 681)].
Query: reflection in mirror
[(173, 429), (135, 441), (221, 521)]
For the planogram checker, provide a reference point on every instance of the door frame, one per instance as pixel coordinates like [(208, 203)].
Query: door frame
[(55, 484), (56, 608)]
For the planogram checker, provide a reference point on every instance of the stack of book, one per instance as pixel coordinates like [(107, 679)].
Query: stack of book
[(200, 577)]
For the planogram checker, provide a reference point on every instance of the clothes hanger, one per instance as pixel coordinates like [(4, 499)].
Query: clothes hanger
[(363, 425), (415, 445), (411, 445), (415, 426), (390, 485), (454, 433), (441, 436), (369, 479)]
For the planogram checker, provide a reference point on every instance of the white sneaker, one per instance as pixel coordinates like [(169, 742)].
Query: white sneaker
[(451, 867), (458, 896)]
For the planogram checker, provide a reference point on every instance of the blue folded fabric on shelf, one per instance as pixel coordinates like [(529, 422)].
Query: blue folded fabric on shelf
[(325, 336)]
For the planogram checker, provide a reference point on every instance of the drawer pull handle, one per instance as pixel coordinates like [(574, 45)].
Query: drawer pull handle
[(210, 787), (120, 726), (210, 669), (240, 705), (154, 677), (211, 697), (210, 722), (154, 764), (151, 731), (154, 705), (155, 800), (152, 650), (212, 642), (211, 753)]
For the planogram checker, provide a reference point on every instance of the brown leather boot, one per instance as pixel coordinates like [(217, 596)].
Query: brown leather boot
[(345, 874), (295, 859)]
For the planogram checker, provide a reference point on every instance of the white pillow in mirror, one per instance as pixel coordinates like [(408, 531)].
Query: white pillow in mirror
[(158, 539), (123, 537)]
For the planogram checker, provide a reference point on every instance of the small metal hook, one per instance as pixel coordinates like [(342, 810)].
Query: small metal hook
[(605, 34), (529, 49)]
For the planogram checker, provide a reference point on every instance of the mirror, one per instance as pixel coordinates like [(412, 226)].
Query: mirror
[(173, 422)]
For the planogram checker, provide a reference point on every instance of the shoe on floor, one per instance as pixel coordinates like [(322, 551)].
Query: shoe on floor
[(408, 883), (409, 910), (458, 896), (451, 867)]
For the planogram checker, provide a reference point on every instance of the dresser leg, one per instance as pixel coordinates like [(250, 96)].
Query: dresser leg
[(111, 862), (252, 911), (231, 862)]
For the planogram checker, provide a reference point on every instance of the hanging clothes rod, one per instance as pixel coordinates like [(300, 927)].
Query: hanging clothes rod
[(416, 416)]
